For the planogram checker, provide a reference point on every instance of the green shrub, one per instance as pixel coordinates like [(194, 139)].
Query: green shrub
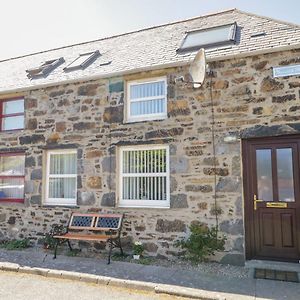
[(201, 243), (138, 248), (15, 244), (48, 240)]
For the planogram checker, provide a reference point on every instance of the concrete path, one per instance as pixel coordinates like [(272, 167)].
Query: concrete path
[(226, 286)]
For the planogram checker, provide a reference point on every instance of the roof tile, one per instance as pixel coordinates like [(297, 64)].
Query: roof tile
[(149, 48)]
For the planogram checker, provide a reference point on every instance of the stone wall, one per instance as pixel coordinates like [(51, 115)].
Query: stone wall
[(88, 116)]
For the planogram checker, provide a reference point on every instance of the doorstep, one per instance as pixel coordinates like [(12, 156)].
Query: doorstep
[(272, 265)]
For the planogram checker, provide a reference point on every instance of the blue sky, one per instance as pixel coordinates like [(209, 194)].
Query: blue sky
[(36, 25)]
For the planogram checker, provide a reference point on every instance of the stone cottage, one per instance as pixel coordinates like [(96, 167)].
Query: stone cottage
[(107, 126)]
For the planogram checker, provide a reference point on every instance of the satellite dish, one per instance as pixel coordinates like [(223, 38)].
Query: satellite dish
[(198, 69)]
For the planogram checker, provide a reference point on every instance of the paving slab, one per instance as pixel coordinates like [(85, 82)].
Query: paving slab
[(277, 290)]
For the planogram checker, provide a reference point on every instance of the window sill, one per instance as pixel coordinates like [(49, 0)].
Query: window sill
[(141, 206), (130, 121), (60, 206), (12, 130), (9, 202)]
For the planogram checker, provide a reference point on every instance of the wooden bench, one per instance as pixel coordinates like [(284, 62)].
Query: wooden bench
[(93, 227)]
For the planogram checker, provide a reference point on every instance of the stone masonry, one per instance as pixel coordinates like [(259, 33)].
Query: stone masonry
[(88, 116)]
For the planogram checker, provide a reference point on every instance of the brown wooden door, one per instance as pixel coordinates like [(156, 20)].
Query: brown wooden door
[(272, 198)]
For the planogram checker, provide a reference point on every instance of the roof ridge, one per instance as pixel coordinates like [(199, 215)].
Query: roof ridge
[(268, 18), (123, 34)]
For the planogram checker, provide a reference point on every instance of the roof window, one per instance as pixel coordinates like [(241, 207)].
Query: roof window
[(82, 61), (209, 37), (45, 68), (258, 34)]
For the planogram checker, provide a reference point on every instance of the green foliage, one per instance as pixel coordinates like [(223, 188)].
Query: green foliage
[(48, 240), (138, 248), (201, 243), (73, 252), (119, 257), (15, 244), (144, 261)]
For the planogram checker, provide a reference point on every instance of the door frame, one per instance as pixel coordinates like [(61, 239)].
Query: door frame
[(247, 189)]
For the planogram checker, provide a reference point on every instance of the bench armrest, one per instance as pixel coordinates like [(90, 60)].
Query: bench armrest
[(58, 230)]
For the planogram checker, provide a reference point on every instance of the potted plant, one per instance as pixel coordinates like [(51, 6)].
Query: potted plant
[(138, 249)]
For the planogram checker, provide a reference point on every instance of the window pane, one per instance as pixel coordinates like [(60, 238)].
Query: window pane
[(12, 188), (156, 106), (12, 165), (285, 175), (13, 107), (148, 178), (62, 188), (144, 161), (11, 123), (151, 89), (208, 36), (144, 188), (81, 59), (63, 163), (264, 175), (147, 98)]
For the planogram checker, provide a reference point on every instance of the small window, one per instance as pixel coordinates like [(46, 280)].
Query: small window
[(12, 177), (61, 177), (44, 69), (147, 100), (144, 176), (82, 61), (292, 70), (12, 114), (209, 37)]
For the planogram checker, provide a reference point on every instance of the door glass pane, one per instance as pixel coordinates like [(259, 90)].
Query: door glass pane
[(264, 175), (285, 175)]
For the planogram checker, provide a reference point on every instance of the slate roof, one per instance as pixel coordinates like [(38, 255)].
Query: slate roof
[(151, 48)]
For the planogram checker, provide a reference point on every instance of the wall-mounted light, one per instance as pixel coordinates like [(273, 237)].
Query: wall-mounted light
[(231, 138)]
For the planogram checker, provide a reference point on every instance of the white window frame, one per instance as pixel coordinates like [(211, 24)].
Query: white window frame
[(146, 117), (144, 203), (59, 201)]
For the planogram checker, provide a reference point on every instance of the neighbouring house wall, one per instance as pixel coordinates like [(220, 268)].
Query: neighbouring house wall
[(89, 117)]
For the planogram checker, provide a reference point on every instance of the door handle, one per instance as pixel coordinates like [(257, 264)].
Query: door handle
[(255, 200)]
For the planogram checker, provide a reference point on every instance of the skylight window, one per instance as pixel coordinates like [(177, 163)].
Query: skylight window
[(258, 34), (83, 61), (209, 37), (44, 69)]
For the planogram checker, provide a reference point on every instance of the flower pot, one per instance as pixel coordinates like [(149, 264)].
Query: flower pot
[(136, 256)]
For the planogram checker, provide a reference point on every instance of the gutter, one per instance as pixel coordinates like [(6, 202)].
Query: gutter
[(149, 68)]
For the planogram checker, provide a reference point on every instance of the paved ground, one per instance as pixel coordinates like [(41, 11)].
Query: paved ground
[(228, 286), (23, 286)]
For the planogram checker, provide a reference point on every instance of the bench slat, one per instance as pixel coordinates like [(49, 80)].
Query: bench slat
[(86, 237)]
